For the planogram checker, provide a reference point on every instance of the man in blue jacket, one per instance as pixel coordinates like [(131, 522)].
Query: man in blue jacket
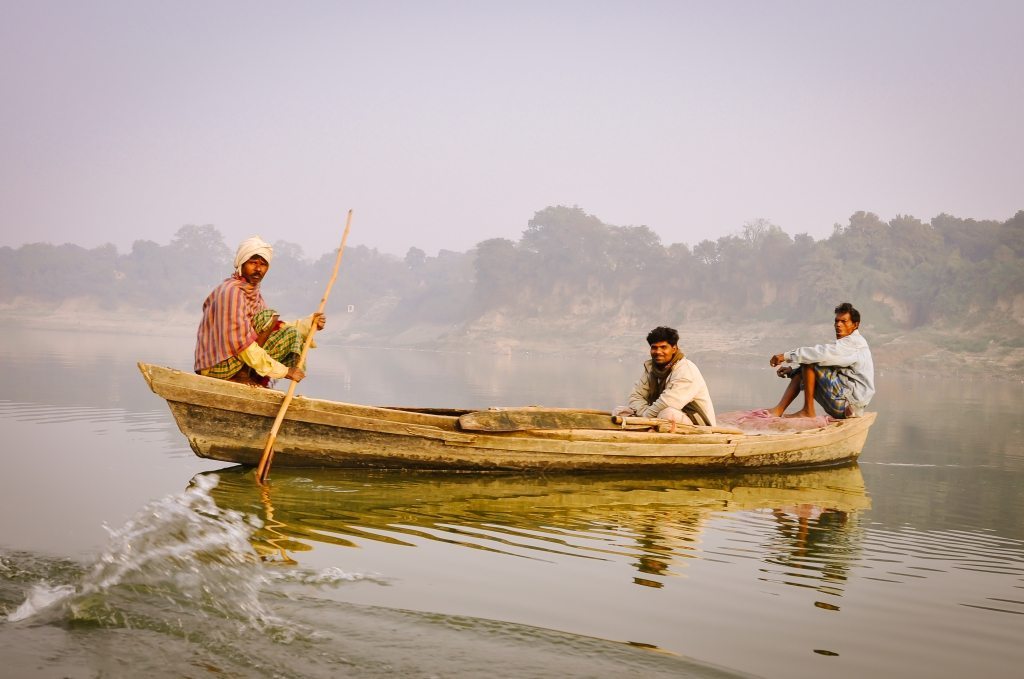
[(840, 376)]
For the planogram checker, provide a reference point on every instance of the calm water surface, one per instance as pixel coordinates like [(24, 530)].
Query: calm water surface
[(121, 553)]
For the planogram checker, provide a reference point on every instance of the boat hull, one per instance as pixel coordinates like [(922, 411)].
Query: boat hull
[(230, 422)]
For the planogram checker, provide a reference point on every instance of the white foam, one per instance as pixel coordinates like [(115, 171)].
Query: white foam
[(332, 575), (40, 597)]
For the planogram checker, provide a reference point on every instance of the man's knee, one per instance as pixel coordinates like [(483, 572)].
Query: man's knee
[(808, 372), (796, 373), (285, 345)]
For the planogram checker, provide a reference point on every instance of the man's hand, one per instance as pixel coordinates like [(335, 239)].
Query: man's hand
[(785, 371), (295, 374), (320, 320), (777, 359)]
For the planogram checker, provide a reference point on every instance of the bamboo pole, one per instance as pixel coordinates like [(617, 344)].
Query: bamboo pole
[(263, 469)]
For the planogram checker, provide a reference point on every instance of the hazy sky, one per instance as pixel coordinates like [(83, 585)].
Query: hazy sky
[(445, 123)]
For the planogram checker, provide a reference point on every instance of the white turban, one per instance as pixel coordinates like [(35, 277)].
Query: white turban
[(250, 247)]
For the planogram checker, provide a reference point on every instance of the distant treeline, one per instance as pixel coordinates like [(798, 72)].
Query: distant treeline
[(906, 273)]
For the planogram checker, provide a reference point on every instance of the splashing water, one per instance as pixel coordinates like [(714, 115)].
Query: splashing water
[(179, 557), (330, 576), (40, 597)]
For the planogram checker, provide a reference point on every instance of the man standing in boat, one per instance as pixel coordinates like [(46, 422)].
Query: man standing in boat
[(671, 387), (239, 338), (840, 375)]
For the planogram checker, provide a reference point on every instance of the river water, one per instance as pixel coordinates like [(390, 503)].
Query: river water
[(123, 554)]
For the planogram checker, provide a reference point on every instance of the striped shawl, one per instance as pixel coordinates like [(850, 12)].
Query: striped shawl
[(226, 328)]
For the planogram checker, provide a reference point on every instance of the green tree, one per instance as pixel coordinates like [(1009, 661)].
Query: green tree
[(975, 241), (497, 274), (415, 258), (1011, 234), (567, 245)]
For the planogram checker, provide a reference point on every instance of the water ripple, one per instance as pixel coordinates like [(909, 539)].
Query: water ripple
[(39, 413), (803, 521)]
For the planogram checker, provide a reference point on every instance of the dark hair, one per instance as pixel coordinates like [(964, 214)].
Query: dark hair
[(663, 334), (847, 308)]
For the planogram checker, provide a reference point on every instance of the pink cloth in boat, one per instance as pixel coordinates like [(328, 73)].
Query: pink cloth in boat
[(760, 421)]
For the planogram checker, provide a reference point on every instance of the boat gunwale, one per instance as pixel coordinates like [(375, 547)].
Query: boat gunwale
[(303, 405), (177, 386)]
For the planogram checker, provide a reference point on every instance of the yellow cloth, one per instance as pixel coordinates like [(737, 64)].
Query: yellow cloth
[(259, 360), (263, 363)]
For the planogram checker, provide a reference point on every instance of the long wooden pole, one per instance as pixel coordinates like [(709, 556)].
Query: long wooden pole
[(263, 469)]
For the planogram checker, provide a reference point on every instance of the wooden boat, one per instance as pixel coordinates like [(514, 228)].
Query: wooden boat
[(230, 422)]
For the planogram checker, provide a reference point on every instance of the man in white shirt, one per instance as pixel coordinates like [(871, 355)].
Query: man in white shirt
[(671, 387), (840, 376)]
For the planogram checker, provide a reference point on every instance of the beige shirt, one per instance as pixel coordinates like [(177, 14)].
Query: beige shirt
[(685, 384)]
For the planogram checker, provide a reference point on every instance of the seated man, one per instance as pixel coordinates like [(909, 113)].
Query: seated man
[(840, 376), (671, 387), (239, 339)]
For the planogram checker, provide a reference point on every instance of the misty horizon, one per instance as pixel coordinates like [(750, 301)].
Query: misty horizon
[(442, 124), (483, 236)]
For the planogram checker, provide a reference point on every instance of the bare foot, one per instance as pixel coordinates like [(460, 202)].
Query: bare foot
[(776, 411), (801, 413)]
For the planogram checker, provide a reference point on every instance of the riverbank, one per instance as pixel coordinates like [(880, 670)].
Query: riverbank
[(929, 350)]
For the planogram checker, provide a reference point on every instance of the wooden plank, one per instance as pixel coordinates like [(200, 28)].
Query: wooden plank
[(536, 418), (672, 427), (524, 419)]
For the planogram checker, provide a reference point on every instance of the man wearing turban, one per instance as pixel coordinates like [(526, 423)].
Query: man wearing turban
[(239, 338)]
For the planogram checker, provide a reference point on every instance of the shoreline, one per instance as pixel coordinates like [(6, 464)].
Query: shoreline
[(709, 343)]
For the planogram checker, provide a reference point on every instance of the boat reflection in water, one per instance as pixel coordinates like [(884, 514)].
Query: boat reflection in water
[(799, 521)]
